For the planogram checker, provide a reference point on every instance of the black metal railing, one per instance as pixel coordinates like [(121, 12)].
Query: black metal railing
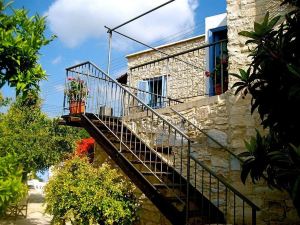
[(158, 100), (190, 123), (200, 71), (116, 107)]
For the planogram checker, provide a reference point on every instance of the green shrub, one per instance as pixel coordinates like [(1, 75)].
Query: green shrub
[(82, 194), (11, 187)]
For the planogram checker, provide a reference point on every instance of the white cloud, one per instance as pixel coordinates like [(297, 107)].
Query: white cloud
[(57, 60), (74, 21)]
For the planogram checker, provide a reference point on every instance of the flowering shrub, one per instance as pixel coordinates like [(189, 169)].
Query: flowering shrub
[(83, 194), (76, 89), (85, 147)]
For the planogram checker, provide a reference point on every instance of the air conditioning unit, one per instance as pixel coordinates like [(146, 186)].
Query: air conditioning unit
[(105, 111)]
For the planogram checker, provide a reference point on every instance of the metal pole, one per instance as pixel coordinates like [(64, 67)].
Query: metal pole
[(135, 18), (109, 50), (155, 49)]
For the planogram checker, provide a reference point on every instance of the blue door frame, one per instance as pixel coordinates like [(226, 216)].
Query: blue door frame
[(212, 37)]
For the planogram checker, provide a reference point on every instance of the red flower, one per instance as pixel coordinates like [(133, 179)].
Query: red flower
[(85, 147)]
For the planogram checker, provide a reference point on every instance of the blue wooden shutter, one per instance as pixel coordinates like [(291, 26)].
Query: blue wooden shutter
[(164, 90), (144, 86)]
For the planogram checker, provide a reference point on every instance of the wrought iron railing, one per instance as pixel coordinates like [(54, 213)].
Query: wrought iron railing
[(222, 146), (116, 107), (158, 100), (195, 72)]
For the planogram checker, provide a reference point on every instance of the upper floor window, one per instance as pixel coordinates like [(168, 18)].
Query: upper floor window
[(153, 91)]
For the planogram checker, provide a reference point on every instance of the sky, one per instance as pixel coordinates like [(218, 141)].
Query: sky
[(81, 36)]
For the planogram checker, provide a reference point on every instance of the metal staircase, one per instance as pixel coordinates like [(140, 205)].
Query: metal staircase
[(155, 154)]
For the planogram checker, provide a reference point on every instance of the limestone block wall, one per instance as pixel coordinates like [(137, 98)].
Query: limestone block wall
[(183, 80), (241, 14), (227, 119), (148, 214)]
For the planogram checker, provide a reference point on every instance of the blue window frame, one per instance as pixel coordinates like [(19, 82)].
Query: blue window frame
[(218, 80), (153, 91)]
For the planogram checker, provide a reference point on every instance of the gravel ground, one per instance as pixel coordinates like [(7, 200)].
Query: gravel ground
[(35, 213)]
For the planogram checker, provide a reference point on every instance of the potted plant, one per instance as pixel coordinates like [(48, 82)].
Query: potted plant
[(219, 75), (76, 92)]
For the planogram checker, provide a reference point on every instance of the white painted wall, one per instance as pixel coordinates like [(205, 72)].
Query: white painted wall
[(212, 22)]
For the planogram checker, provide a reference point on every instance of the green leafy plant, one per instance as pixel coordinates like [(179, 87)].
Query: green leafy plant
[(37, 140), (83, 194), (21, 39), (12, 189), (273, 81), (76, 89)]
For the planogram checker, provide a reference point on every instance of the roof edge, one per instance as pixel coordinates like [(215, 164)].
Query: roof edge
[(165, 45)]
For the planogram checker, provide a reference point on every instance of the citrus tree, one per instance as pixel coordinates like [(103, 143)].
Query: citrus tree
[(22, 37), (37, 141), (83, 194)]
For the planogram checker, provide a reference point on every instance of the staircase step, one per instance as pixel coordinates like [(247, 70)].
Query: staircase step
[(176, 199), (156, 173), (164, 186), (135, 151), (146, 162), (165, 150)]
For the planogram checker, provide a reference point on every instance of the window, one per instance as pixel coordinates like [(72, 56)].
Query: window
[(153, 91), (218, 61)]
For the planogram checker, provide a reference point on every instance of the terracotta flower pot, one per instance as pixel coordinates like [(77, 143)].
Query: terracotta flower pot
[(218, 89), (76, 107)]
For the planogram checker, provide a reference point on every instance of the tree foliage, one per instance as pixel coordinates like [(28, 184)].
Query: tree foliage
[(21, 39), (37, 141), (273, 80), (83, 194), (12, 189)]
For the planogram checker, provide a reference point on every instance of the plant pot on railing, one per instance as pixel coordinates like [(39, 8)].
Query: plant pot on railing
[(76, 107), (77, 93)]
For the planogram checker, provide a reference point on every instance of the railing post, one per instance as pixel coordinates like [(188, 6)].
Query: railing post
[(188, 182), (65, 96), (253, 216)]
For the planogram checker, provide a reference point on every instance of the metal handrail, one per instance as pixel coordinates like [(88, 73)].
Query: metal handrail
[(207, 135), (177, 54), (134, 97), (187, 147), (125, 85), (152, 93), (229, 186)]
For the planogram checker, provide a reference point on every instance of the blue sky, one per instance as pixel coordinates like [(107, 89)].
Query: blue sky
[(82, 37)]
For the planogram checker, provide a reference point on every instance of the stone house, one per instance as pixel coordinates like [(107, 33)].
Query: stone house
[(183, 70), (179, 97), (215, 110)]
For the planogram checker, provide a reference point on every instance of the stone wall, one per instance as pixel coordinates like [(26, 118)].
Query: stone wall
[(241, 14), (149, 214), (228, 120), (183, 80)]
